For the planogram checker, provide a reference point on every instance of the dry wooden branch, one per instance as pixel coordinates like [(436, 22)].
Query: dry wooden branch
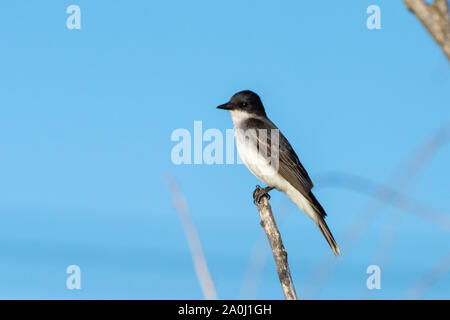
[(279, 253), (435, 19)]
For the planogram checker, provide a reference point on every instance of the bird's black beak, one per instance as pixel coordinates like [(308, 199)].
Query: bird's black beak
[(225, 106)]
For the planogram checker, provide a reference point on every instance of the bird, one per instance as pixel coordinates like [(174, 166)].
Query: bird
[(270, 157)]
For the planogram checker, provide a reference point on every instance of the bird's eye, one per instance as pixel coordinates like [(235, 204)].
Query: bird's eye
[(244, 104)]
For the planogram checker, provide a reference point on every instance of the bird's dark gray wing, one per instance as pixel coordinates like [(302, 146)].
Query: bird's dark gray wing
[(289, 166)]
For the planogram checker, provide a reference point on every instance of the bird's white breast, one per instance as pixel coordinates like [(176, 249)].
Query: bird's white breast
[(259, 164)]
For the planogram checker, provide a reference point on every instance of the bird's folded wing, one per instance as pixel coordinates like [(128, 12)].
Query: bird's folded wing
[(291, 168)]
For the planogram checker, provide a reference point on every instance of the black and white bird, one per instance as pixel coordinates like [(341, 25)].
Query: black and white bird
[(275, 163)]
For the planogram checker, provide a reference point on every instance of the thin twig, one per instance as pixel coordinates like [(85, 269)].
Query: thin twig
[(279, 253), (388, 196), (323, 271), (195, 246), (435, 19), (431, 277), (384, 249)]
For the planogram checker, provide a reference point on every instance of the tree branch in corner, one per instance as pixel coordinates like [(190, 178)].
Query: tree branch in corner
[(435, 19)]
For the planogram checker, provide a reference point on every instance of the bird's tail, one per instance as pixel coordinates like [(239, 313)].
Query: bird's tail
[(323, 227), (315, 211), (328, 236)]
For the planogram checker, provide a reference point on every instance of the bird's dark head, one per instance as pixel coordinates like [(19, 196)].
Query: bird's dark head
[(245, 101)]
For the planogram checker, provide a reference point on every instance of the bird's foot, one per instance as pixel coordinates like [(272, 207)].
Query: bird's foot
[(259, 193)]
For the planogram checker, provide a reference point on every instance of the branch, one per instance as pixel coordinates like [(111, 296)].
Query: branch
[(435, 19), (198, 257), (279, 253)]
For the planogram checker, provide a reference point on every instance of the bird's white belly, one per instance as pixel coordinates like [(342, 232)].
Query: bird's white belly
[(260, 165)]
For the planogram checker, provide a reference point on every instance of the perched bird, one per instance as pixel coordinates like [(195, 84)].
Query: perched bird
[(275, 163)]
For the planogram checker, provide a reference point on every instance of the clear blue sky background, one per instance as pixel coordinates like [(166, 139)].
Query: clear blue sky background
[(85, 123)]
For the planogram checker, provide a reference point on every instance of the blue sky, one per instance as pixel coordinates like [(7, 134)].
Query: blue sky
[(86, 118)]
